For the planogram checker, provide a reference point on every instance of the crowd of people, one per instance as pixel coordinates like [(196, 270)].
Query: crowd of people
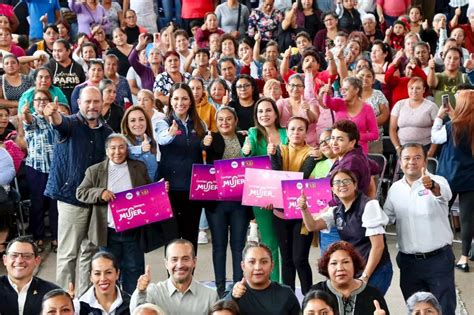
[(99, 97)]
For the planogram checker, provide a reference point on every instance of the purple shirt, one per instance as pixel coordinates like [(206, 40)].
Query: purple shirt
[(87, 17)]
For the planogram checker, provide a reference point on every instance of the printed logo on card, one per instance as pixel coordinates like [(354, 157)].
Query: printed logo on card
[(212, 170), (129, 196), (234, 164)]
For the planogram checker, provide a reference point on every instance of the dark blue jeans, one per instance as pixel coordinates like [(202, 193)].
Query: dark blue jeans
[(382, 277), (227, 215), (126, 248), (434, 274), (171, 10), (39, 204)]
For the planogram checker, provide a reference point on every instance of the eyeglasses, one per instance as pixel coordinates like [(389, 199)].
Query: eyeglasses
[(41, 100), (25, 256), (342, 182), (325, 141), (243, 86), (294, 86)]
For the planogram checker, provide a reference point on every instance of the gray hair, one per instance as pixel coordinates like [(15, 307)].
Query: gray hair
[(296, 76), (115, 136), (148, 307), (423, 297), (368, 16)]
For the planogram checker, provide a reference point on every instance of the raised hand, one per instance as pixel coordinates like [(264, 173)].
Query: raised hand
[(71, 290), (239, 289), (51, 108), (389, 31), (287, 53), (431, 63), (226, 98), (257, 37), (304, 104), (469, 63), (398, 57), (458, 11), (107, 195), (302, 201), (378, 309), (44, 18), (207, 141), (426, 179), (329, 55), (173, 131), (246, 148), (141, 41), (146, 146), (271, 147), (144, 279), (425, 24)]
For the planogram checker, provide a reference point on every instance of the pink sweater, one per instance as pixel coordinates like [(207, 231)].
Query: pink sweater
[(365, 119), (394, 7)]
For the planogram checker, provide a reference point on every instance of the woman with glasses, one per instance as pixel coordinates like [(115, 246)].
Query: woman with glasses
[(12, 84), (41, 138), (351, 107), (360, 221), (341, 264), (293, 240), (297, 105), (325, 159), (325, 38), (267, 129), (244, 94)]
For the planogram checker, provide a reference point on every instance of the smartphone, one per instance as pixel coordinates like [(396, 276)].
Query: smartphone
[(445, 100), (149, 38)]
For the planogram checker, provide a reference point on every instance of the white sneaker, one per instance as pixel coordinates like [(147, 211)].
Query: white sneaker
[(202, 237)]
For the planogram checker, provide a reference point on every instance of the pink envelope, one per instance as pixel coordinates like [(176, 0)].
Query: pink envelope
[(263, 187), (230, 175), (317, 191), (140, 206), (203, 182)]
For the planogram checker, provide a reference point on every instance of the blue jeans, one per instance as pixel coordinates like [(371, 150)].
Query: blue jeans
[(126, 248), (326, 239), (171, 10), (382, 277), (225, 215), (433, 274)]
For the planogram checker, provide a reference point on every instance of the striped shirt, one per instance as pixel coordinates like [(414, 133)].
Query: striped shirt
[(41, 138)]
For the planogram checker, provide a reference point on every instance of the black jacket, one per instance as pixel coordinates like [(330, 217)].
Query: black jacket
[(9, 298)]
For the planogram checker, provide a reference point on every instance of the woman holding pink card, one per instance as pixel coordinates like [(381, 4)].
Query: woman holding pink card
[(226, 215), (267, 128), (293, 239)]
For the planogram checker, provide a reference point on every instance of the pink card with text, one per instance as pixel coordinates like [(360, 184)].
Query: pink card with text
[(230, 175), (203, 182), (317, 191), (263, 187), (140, 206)]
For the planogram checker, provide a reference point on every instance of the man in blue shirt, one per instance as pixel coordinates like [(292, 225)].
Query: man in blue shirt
[(38, 8)]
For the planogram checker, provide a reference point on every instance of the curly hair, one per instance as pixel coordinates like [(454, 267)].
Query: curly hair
[(357, 260)]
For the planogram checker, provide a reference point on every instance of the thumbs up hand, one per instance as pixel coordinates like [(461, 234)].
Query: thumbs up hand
[(271, 147), (51, 108), (226, 98), (378, 309), (304, 104), (302, 201), (173, 131), (426, 180), (146, 146), (239, 289), (247, 148), (207, 141), (144, 279), (469, 63), (431, 63)]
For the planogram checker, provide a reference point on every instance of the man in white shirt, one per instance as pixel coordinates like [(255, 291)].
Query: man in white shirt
[(419, 205), (180, 293), (20, 292)]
